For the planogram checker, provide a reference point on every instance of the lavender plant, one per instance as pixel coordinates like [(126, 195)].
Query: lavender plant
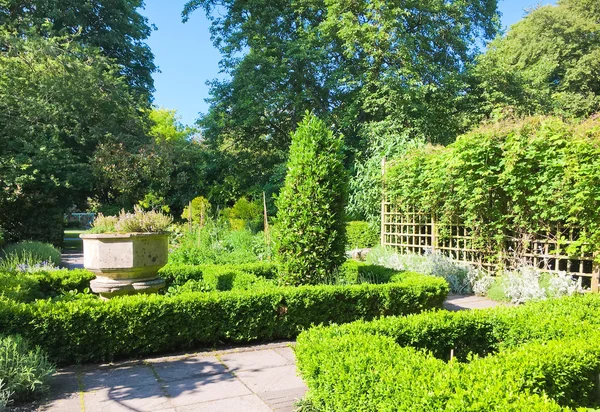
[(138, 221)]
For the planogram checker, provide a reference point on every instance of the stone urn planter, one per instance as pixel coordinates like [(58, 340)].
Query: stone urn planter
[(125, 264)]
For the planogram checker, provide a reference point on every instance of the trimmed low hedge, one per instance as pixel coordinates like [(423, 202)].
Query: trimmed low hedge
[(178, 275), (98, 331), (539, 357), (26, 287)]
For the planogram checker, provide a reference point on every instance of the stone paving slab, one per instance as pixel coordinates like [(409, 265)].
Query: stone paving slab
[(255, 379)]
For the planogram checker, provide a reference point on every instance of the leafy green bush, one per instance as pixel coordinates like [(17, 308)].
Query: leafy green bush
[(28, 254), (224, 280), (532, 357), (311, 229), (133, 326), (245, 214), (20, 287), (24, 370), (59, 282), (361, 234), (201, 208)]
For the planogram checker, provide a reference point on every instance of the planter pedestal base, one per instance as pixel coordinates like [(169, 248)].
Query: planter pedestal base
[(125, 264), (108, 288)]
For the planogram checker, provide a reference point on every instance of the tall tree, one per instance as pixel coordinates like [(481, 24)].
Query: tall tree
[(549, 62), (115, 27), (58, 102), (400, 62)]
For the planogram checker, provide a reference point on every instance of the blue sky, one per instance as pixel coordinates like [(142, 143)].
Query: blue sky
[(187, 58)]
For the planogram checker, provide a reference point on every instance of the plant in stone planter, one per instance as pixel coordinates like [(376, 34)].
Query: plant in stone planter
[(126, 252)]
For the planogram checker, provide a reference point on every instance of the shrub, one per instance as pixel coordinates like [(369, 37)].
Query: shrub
[(526, 283), (24, 370), (26, 287), (244, 214), (26, 220), (104, 224), (19, 287), (177, 275), (361, 234), (59, 282), (28, 254), (533, 357), (200, 211), (311, 228), (133, 326), (461, 278), (514, 177)]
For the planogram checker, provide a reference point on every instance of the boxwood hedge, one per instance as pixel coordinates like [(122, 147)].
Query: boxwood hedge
[(539, 357), (86, 330)]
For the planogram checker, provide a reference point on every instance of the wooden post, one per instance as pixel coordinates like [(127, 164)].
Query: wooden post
[(434, 235), (266, 224), (595, 275), (190, 216), (202, 206), (383, 201)]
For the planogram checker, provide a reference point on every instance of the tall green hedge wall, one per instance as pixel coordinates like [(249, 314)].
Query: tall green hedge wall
[(519, 176)]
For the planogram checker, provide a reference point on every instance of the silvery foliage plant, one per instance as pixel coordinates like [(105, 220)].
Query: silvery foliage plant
[(462, 279), (523, 284)]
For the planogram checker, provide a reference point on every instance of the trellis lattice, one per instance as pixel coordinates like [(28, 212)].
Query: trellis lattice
[(413, 232)]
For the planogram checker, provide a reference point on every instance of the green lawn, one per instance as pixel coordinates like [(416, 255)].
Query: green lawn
[(71, 240)]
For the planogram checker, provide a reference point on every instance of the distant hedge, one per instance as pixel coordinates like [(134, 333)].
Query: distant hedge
[(524, 176), (539, 357), (90, 330), (361, 234)]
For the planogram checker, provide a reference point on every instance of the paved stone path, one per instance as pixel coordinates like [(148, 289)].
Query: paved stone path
[(72, 260), (256, 379)]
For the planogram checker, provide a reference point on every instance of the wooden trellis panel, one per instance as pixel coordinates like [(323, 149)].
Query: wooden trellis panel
[(411, 232)]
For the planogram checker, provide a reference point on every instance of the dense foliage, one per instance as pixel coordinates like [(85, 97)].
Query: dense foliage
[(86, 330), (549, 62), (58, 102), (509, 179), (357, 66), (43, 284), (361, 234), (538, 357), (311, 228), (22, 255), (114, 26)]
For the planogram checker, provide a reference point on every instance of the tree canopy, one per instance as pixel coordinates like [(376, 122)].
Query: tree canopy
[(354, 65), (114, 27), (549, 62), (58, 101)]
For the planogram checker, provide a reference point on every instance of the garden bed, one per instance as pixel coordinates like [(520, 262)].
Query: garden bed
[(542, 356)]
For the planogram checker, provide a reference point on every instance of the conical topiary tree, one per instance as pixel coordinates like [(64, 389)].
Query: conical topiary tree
[(311, 229)]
